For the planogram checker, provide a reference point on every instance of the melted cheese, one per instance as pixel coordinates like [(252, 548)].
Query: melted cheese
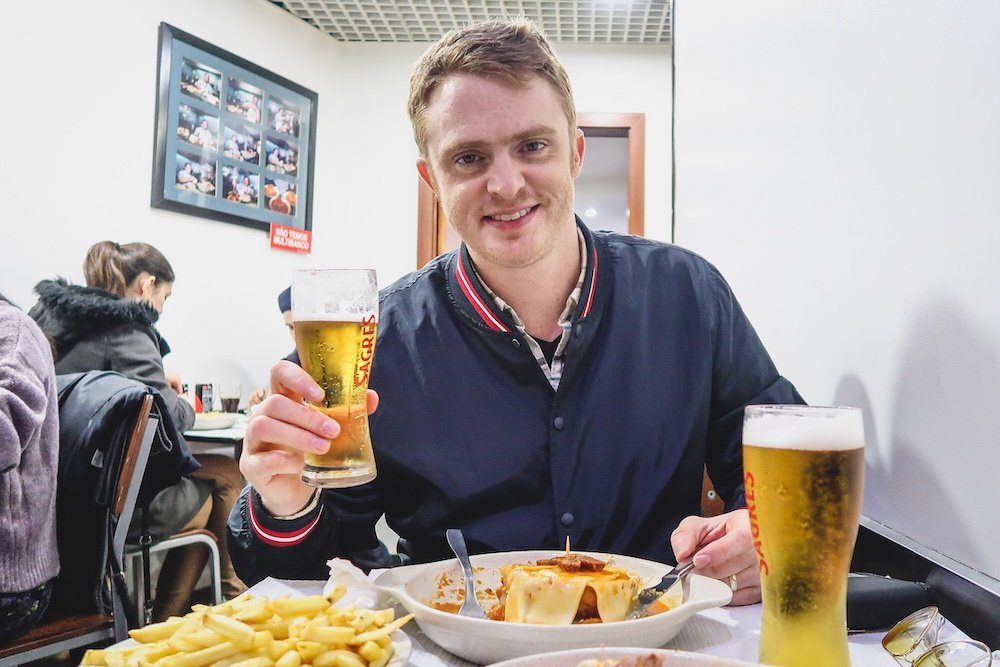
[(547, 595)]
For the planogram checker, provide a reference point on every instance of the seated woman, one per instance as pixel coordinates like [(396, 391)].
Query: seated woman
[(29, 459), (109, 325)]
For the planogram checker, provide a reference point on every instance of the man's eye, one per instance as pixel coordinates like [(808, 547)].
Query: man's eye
[(468, 158), (533, 146)]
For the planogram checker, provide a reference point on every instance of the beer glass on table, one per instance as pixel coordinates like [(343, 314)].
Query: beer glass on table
[(803, 472), (335, 314), (229, 395)]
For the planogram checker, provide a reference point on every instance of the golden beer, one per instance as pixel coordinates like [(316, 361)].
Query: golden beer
[(803, 476), (335, 316), (338, 356)]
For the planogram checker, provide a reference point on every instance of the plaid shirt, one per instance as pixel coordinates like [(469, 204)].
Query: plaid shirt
[(554, 370)]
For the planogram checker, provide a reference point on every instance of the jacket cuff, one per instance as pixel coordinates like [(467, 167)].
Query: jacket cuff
[(287, 532)]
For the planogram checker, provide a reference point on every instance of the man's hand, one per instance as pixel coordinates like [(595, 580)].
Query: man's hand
[(174, 380), (722, 548), (256, 398), (279, 435)]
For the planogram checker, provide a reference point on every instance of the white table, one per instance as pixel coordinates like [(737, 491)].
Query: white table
[(728, 632), (226, 441)]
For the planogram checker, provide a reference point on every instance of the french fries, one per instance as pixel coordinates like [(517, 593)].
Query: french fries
[(258, 632)]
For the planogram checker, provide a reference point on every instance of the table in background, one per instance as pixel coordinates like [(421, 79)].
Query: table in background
[(727, 632), (226, 441)]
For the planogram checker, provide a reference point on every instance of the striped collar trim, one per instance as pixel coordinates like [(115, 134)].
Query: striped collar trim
[(593, 284), (491, 320), (486, 313)]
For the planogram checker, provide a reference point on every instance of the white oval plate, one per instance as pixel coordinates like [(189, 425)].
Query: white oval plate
[(485, 641), (209, 421), (574, 657)]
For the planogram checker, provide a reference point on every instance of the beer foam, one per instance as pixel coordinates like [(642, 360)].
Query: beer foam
[(353, 318), (813, 429)]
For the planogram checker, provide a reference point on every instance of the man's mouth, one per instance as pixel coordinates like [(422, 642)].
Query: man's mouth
[(511, 217)]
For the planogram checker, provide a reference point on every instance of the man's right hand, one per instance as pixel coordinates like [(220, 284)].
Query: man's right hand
[(280, 432)]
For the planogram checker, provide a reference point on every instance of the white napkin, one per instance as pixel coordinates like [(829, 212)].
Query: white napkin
[(360, 591)]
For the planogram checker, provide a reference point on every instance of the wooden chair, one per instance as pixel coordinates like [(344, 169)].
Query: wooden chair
[(66, 632)]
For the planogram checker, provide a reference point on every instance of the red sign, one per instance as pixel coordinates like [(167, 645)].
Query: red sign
[(293, 239)]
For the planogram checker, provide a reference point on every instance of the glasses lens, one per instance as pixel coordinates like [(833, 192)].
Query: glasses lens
[(956, 654), (914, 635)]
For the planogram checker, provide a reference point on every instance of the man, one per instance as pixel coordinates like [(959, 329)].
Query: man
[(543, 381)]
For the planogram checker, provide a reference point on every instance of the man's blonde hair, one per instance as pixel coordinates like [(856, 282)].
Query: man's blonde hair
[(513, 49)]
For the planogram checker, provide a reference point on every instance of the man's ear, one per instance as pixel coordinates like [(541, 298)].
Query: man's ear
[(579, 144), (425, 173)]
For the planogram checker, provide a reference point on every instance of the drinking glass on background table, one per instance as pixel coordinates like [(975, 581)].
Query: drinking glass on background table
[(229, 394), (336, 318), (803, 474)]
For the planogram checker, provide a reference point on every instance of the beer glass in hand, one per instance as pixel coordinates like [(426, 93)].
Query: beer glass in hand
[(803, 475), (335, 312)]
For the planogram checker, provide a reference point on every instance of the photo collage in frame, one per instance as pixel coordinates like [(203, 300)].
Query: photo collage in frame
[(233, 141)]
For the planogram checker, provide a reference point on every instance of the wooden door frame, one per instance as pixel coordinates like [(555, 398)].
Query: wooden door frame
[(429, 222)]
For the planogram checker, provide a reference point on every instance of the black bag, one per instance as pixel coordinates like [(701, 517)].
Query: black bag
[(97, 411)]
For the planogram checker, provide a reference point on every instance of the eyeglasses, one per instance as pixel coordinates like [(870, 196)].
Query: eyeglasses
[(914, 642)]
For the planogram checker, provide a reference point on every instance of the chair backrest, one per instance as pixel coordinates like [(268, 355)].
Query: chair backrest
[(106, 432)]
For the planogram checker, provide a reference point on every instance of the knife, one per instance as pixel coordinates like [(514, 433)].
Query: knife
[(648, 596)]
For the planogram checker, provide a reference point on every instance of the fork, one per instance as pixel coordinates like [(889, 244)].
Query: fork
[(648, 596), (470, 607)]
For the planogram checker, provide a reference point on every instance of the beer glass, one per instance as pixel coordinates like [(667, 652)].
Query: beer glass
[(229, 394), (803, 472), (335, 315)]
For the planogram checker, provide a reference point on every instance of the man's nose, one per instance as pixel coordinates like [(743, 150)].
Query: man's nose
[(505, 179)]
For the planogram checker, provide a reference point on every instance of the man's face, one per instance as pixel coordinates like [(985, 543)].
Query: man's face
[(501, 161)]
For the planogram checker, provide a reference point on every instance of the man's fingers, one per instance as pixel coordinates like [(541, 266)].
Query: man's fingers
[(290, 380), (266, 464), (687, 536), (292, 429), (729, 553), (748, 595)]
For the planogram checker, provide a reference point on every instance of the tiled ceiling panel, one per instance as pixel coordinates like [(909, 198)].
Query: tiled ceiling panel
[(593, 21)]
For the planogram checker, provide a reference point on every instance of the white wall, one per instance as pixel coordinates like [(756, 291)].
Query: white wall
[(839, 161), (78, 105)]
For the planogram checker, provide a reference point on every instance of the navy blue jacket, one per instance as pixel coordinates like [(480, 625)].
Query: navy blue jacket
[(470, 434)]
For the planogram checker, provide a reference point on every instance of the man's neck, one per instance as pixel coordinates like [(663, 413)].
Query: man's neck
[(538, 293)]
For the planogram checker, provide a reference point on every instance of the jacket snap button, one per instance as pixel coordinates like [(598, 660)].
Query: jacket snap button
[(578, 330), (566, 519), (516, 343), (558, 423)]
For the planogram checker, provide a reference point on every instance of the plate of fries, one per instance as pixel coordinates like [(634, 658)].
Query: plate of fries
[(261, 631)]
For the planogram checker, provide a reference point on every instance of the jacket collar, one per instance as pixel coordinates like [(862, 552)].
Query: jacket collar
[(75, 303), (71, 313), (480, 308)]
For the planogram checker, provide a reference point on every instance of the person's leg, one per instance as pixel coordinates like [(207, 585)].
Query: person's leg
[(227, 482), (180, 571)]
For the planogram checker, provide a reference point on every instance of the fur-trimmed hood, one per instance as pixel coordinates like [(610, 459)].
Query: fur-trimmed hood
[(70, 313)]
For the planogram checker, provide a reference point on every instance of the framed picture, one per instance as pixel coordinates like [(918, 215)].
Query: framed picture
[(233, 141)]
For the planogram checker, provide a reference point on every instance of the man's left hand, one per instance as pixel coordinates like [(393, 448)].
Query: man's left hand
[(723, 549)]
